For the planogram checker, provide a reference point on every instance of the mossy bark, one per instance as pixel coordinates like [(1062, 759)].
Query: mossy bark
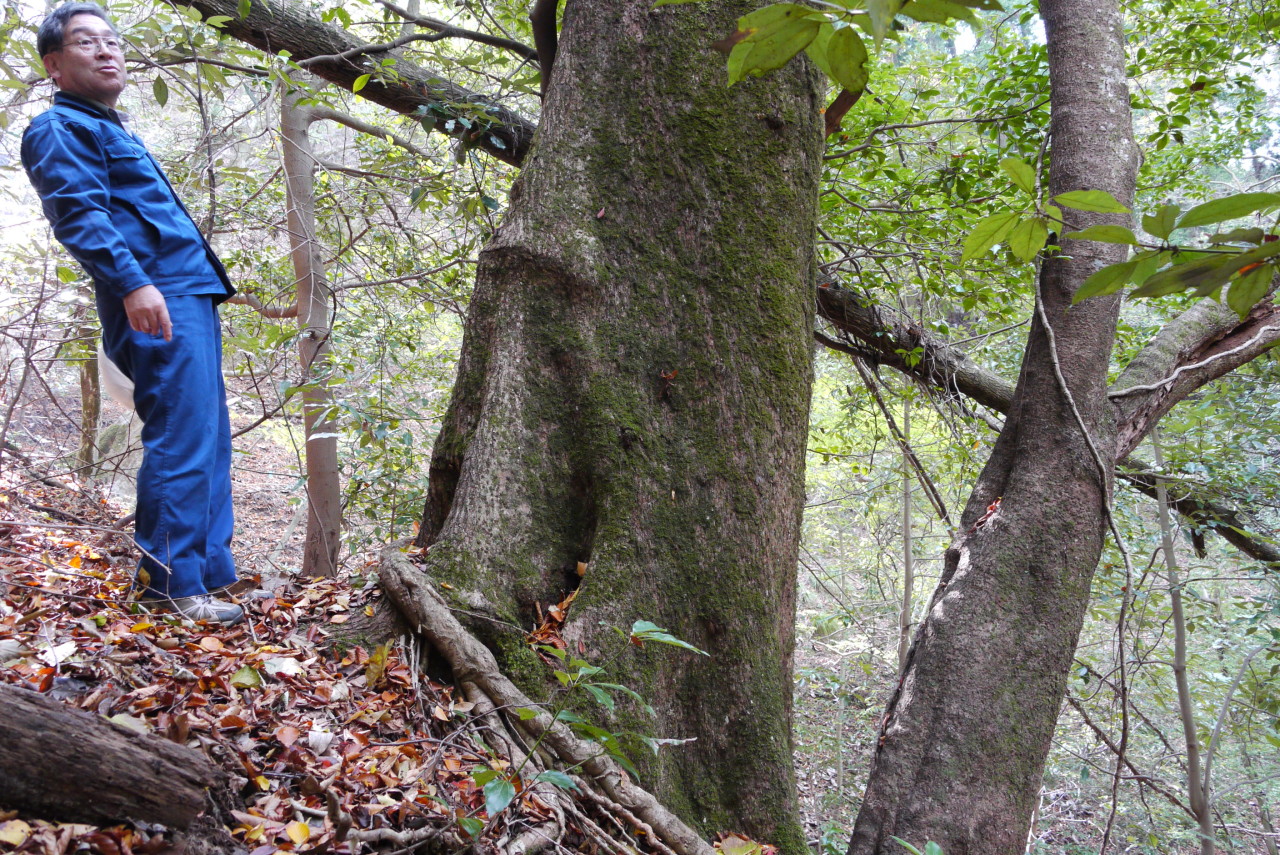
[(633, 396), (962, 749)]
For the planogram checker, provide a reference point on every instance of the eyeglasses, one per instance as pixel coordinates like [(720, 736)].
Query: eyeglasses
[(93, 44)]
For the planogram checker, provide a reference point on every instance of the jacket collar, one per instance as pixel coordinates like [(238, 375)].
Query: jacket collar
[(88, 105)]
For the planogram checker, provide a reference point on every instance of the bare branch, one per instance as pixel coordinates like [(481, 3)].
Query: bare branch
[(447, 30), (327, 113)]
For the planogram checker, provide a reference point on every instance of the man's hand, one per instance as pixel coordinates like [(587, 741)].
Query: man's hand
[(147, 312)]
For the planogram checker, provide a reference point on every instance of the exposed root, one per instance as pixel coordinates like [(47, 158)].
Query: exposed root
[(474, 666)]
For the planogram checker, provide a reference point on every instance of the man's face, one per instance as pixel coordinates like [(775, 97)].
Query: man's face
[(96, 73)]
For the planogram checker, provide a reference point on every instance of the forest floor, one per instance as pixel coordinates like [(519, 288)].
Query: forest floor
[(333, 747)]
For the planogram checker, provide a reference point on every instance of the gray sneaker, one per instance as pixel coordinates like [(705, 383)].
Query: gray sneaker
[(205, 607)]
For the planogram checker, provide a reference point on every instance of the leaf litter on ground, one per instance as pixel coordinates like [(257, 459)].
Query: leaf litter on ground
[(312, 731)]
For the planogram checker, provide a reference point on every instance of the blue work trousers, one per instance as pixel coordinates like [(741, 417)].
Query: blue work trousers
[(184, 519)]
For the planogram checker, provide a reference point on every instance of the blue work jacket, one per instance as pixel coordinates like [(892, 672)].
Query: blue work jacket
[(112, 206)]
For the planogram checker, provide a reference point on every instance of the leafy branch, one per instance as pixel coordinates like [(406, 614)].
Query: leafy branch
[(769, 38)]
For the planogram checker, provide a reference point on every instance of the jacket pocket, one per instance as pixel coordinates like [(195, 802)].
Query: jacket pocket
[(132, 173)]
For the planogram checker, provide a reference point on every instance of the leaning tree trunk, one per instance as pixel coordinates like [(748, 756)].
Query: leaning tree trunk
[(632, 399), (961, 753)]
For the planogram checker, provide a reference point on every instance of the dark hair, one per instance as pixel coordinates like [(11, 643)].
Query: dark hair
[(53, 30)]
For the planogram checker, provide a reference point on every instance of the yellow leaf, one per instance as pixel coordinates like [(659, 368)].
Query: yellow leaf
[(368, 611), (298, 832), (254, 833), (14, 832), (142, 626), (75, 561), (262, 782)]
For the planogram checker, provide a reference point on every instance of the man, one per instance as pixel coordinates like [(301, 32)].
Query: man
[(157, 283)]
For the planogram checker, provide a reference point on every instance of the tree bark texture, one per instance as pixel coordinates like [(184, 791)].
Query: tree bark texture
[(633, 397), (314, 298), (63, 764), (964, 740)]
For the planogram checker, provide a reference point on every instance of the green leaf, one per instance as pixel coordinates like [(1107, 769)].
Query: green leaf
[(643, 630), (841, 55), (1105, 234), (557, 779), (1249, 288), (247, 678), (602, 697), (774, 35), (1024, 177), (1253, 235), (937, 11), (907, 846), (1160, 224), (675, 2), (1200, 275), (987, 233), (65, 274), (160, 90), (1148, 262), (932, 848), (525, 713), (471, 826), (498, 793), (1230, 208), (242, 9), (360, 82), (882, 13), (1027, 238), (217, 20), (1108, 280), (1098, 201)]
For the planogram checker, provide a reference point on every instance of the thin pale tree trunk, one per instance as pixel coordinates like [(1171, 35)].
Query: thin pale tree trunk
[(908, 559), (1197, 785), (315, 298)]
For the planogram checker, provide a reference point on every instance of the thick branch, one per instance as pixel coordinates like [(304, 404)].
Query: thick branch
[(543, 20), (1206, 342), (873, 334), (1205, 513), (243, 299), (889, 341), (275, 26)]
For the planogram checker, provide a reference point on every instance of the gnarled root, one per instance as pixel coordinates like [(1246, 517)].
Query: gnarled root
[(606, 785)]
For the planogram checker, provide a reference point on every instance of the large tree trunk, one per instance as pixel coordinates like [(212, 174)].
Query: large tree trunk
[(633, 397), (962, 749)]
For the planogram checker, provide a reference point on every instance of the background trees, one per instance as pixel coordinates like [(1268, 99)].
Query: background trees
[(916, 166)]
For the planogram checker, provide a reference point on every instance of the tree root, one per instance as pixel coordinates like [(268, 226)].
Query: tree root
[(606, 786)]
